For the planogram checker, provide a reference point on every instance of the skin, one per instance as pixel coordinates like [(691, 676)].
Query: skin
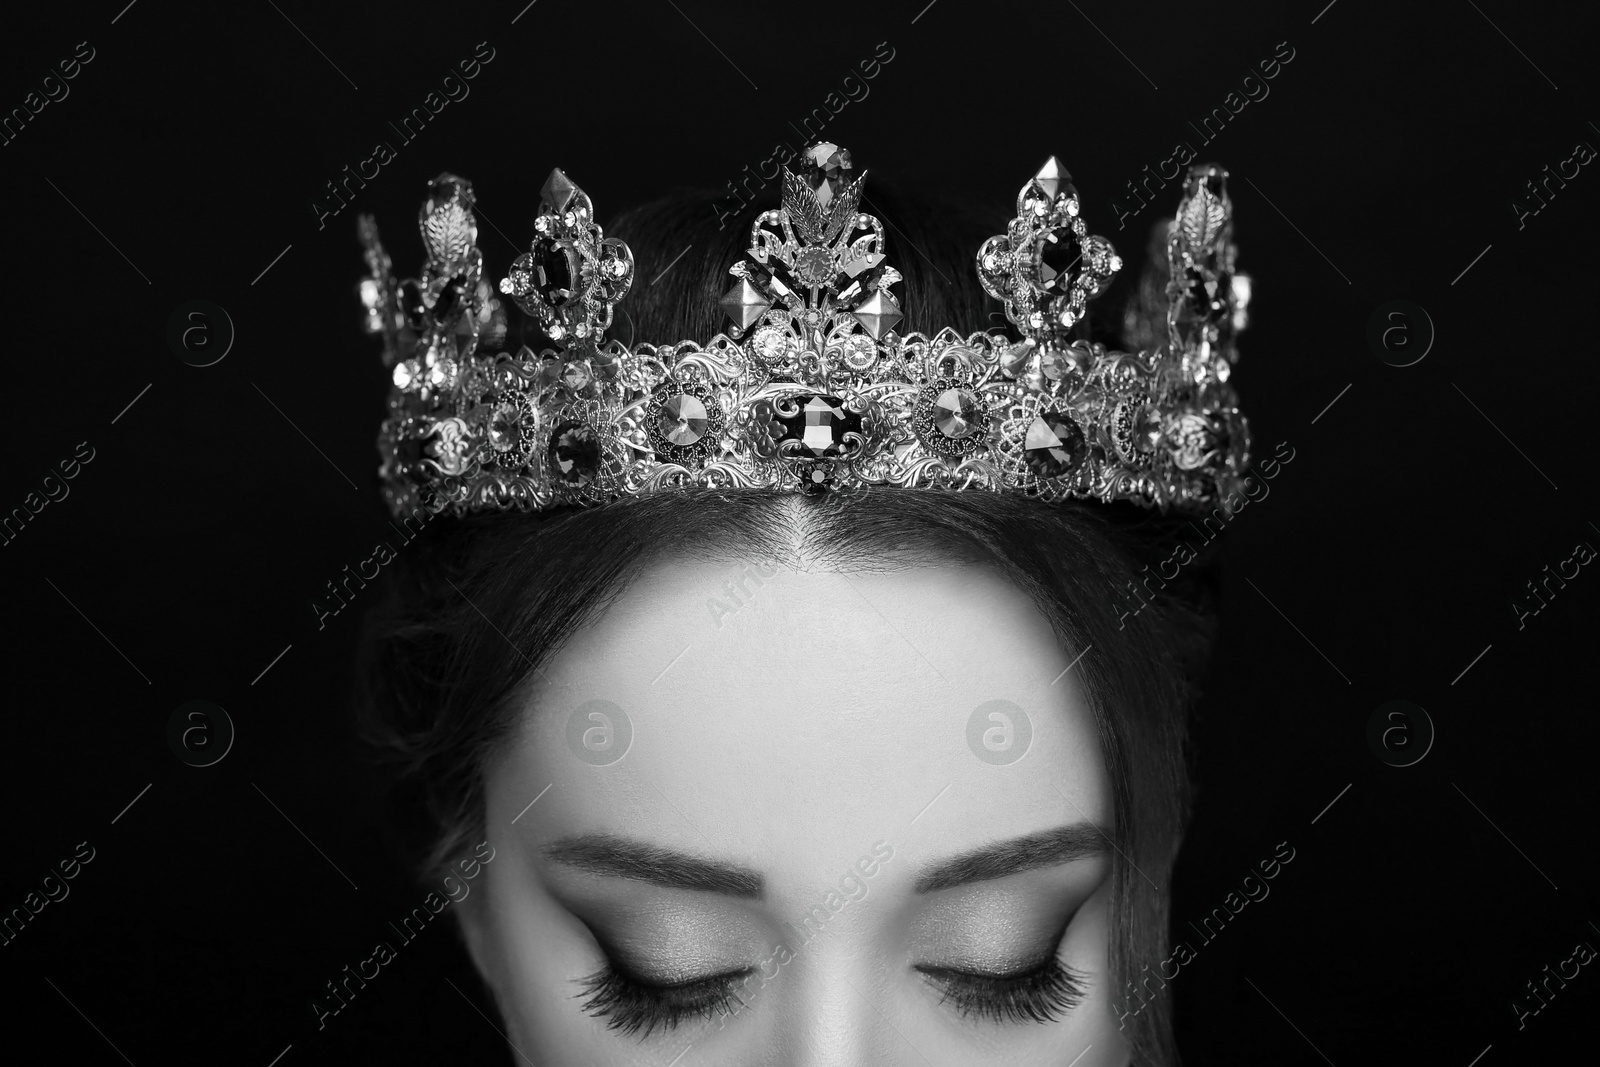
[(820, 725)]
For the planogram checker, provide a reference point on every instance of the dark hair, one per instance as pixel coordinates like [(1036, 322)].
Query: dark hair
[(482, 602)]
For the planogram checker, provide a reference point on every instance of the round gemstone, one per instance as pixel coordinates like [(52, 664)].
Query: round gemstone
[(575, 453), (956, 413), (1059, 255), (819, 425), (553, 272), (576, 375), (1053, 445), (813, 266), (404, 374), (772, 344), (683, 419), (860, 352)]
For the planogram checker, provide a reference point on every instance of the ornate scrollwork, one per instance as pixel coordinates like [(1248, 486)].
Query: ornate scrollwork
[(811, 386)]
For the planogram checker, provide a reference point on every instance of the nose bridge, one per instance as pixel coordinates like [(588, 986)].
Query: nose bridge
[(834, 1008)]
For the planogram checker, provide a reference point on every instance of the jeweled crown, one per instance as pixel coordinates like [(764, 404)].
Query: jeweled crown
[(810, 387)]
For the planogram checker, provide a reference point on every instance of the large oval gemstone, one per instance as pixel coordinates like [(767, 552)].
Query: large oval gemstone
[(819, 425), (553, 272), (505, 427), (1059, 256), (1053, 445), (683, 419), (827, 169), (1135, 429), (575, 453)]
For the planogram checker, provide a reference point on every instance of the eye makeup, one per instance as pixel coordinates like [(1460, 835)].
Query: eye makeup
[(1041, 991), (989, 986), (637, 1007), (993, 950), (665, 963)]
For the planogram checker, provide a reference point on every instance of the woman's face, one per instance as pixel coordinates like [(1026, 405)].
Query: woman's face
[(811, 818)]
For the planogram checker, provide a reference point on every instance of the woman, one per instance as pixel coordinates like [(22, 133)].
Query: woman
[(812, 687)]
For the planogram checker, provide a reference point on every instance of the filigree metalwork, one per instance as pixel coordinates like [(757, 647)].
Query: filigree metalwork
[(811, 386)]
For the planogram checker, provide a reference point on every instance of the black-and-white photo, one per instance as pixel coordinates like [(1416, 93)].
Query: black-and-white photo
[(705, 534)]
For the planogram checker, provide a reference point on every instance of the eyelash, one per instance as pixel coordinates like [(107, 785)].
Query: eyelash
[(1041, 995), (631, 1005)]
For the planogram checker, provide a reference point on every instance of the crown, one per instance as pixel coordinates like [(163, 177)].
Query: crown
[(809, 387)]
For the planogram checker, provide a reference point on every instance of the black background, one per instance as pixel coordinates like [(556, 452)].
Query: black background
[(1391, 148)]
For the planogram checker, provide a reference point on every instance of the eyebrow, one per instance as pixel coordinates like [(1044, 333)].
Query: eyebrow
[(614, 856), (622, 857), (1048, 848)]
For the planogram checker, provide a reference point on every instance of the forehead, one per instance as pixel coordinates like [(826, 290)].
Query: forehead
[(791, 720)]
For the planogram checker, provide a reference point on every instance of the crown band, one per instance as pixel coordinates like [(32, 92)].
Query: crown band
[(809, 386)]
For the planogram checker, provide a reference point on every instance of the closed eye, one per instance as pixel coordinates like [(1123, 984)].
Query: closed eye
[(1041, 994), (634, 1005)]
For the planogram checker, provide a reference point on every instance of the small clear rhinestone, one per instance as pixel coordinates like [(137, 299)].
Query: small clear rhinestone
[(772, 345), (860, 353)]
